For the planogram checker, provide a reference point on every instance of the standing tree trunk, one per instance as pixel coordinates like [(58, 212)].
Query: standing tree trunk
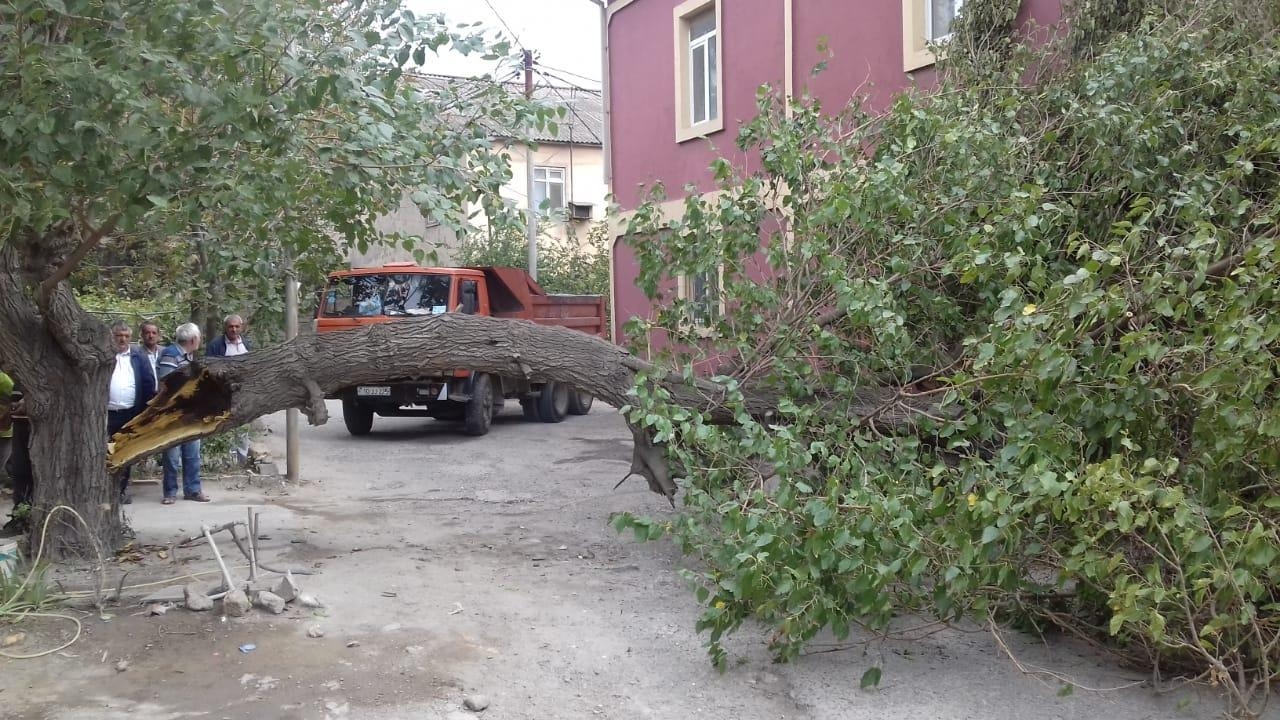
[(61, 358), (68, 453)]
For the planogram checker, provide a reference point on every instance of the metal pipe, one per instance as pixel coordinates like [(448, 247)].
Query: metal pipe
[(226, 574)]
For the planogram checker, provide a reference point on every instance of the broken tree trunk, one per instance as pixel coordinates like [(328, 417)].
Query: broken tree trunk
[(224, 393)]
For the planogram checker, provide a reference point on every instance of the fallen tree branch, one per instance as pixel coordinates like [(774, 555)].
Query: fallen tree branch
[(218, 394)]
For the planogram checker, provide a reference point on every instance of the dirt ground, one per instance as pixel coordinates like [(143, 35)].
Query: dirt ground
[(452, 567)]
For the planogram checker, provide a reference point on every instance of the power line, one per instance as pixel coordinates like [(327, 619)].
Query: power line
[(572, 108), (498, 15), (573, 74)]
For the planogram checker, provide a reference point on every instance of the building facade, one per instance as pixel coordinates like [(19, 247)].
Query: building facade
[(683, 74), (568, 180)]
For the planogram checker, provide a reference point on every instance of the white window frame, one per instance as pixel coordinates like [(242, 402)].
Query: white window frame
[(685, 47), (917, 29), (545, 183)]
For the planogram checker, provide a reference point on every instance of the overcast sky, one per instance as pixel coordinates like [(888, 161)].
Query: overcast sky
[(564, 35)]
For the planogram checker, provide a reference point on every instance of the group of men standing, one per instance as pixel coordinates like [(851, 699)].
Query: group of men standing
[(134, 382)]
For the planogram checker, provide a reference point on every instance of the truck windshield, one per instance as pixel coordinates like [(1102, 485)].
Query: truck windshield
[(388, 294)]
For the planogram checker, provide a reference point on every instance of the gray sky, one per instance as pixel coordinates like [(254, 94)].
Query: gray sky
[(564, 35)]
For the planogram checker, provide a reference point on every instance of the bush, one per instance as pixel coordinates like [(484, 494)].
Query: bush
[(566, 266), (1064, 266)]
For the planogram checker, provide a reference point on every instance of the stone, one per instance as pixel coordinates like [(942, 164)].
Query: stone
[(287, 588), (309, 600), (236, 604), (268, 600), (315, 631), (476, 703), (194, 597), (269, 469)]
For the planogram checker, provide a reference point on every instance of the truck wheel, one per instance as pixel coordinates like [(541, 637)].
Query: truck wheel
[(479, 412), (358, 418), (553, 402), (498, 399), (530, 409), (580, 402)]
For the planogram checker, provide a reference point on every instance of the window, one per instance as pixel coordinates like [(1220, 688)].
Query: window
[(378, 295), (702, 67), (698, 63), (548, 187), (703, 293), (938, 19), (925, 22)]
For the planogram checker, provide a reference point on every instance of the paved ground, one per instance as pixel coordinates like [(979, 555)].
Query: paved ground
[(452, 566)]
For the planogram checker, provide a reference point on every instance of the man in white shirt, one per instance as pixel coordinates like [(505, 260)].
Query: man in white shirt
[(232, 343), (133, 384)]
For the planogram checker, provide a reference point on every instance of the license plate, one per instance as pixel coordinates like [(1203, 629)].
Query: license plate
[(373, 391)]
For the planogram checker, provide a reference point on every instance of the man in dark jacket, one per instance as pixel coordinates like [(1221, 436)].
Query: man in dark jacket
[(133, 384), (231, 343)]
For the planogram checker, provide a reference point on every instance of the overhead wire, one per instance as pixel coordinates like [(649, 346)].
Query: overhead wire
[(502, 20), (594, 81), (570, 103)]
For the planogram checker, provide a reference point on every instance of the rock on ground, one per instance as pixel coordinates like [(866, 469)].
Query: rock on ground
[(236, 604), (287, 588), (476, 703), (270, 601)]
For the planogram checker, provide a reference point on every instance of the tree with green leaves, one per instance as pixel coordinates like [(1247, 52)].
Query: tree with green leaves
[(249, 134), (1063, 267)]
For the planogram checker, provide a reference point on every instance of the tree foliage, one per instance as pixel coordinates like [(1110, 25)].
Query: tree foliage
[(1073, 257), (231, 138), (570, 266)]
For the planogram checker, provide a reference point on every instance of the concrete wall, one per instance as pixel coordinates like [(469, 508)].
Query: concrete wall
[(407, 219)]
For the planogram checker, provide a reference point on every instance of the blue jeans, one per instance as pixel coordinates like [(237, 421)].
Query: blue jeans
[(189, 453)]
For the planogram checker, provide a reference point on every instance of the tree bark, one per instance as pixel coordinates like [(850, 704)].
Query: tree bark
[(60, 357), (218, 394)]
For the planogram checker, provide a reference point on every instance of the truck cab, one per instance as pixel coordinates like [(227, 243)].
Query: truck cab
[(367, 296)]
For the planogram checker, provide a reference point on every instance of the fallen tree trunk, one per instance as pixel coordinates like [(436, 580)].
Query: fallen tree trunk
[(219, 394)]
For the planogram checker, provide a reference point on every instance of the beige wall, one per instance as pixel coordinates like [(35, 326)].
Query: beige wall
[(583, 182)]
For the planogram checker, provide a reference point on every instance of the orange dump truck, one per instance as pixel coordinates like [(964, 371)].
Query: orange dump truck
[(364, 296)]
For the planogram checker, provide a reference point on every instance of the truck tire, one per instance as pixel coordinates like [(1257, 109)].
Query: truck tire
[(479, 412), (358, 418), (553, 402), (580, 402)]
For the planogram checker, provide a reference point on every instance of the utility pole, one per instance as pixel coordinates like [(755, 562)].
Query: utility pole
[(291, 452), (532, 221)]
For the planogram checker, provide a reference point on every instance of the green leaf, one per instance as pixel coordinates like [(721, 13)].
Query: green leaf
[(870, 678)]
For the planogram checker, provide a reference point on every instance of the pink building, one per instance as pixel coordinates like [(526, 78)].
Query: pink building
[(682, 75)]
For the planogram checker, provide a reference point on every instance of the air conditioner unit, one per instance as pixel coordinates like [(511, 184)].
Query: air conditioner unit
[(579, 211)]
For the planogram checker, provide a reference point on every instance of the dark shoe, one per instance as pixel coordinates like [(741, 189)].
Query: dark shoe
[(198, 497), (168, 500), (126, 498)]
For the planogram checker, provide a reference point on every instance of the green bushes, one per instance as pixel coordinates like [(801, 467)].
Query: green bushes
[(1068, 277)]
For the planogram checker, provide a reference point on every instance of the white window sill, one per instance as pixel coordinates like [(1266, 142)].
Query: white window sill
[(702, 129)]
